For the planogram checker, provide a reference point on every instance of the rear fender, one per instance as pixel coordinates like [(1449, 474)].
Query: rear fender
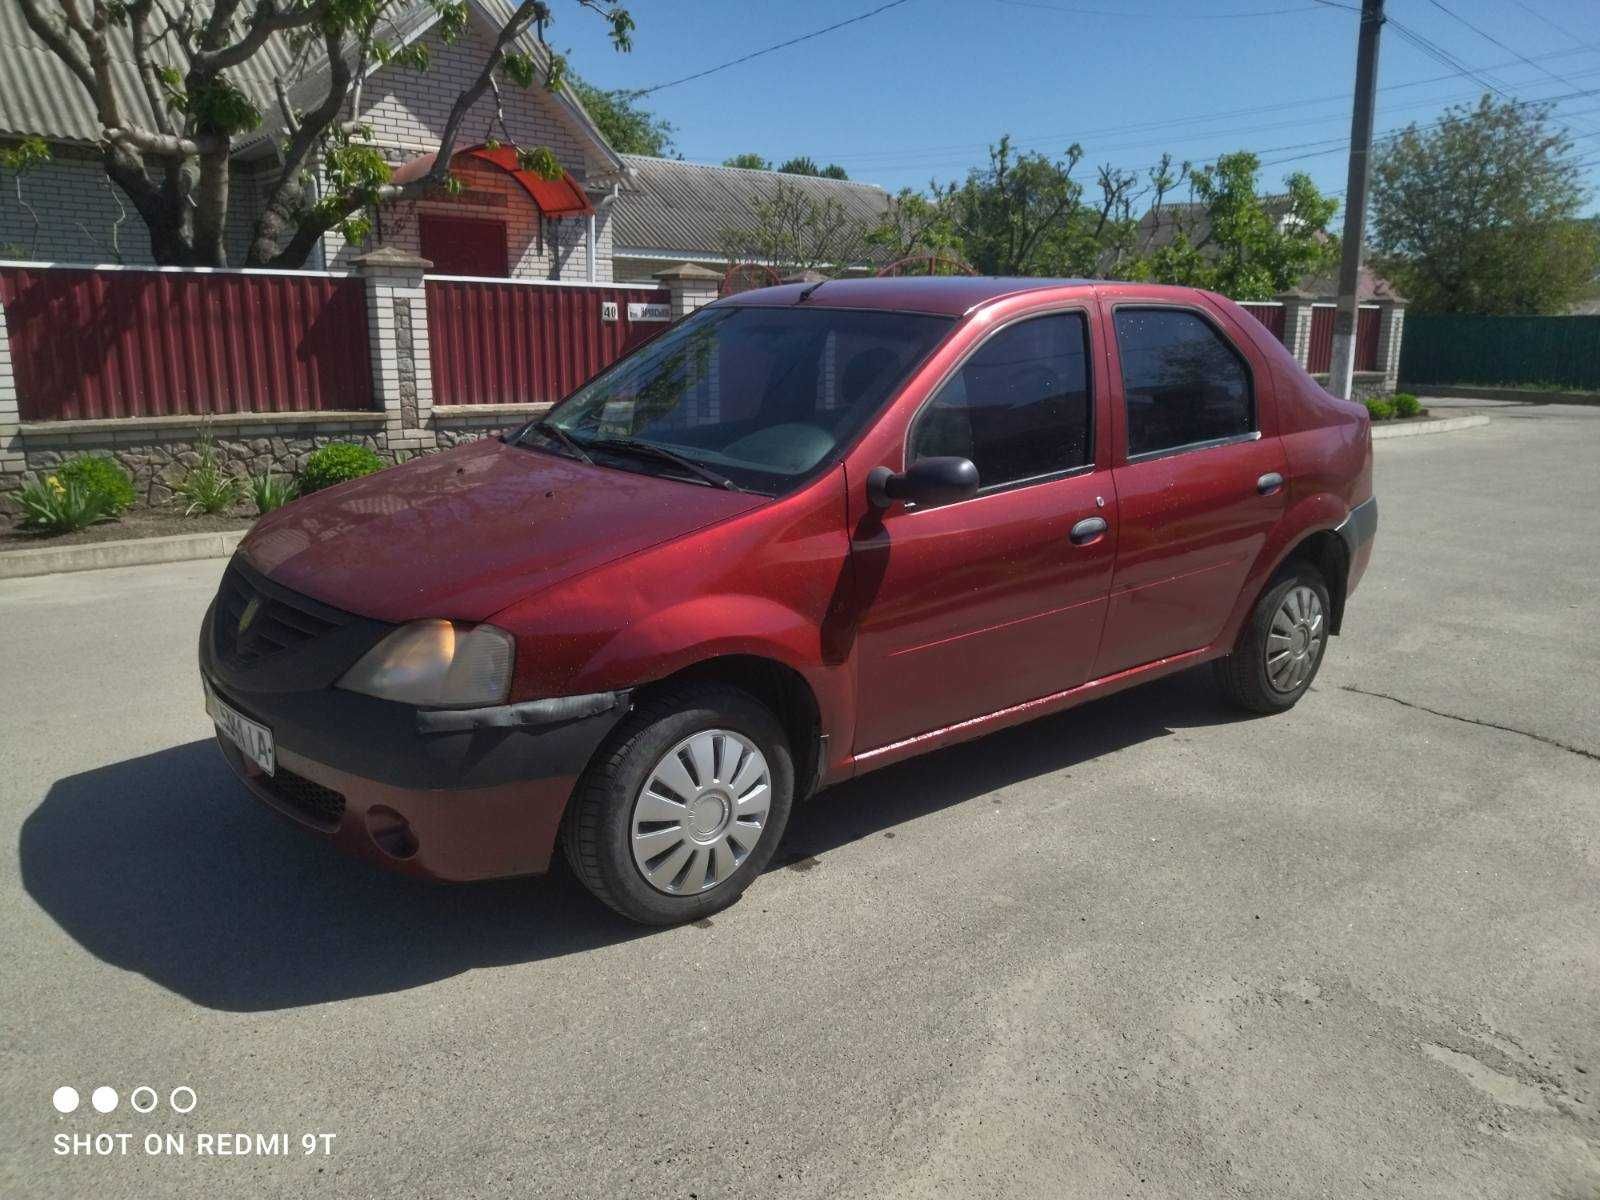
[(1311, 514)]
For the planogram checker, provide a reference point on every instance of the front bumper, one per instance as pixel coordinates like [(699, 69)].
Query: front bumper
[(453, 796)]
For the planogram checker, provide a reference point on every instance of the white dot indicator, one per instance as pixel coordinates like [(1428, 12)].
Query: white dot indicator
[(144, 1099), (173, 1099), (104, 1099), (65, 1099)]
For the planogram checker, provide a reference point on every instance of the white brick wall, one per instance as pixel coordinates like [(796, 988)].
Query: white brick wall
[(406, 110)]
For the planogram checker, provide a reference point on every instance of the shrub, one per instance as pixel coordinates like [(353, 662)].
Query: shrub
[(1379, 408), (99, 476), (51, 506), (207, 486), (337, 462), (1406, 405)]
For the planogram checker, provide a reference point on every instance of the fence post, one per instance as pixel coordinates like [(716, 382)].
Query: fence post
[(1297, 325), (12, 461), (1391, 328), (691, 287), (397, 327)]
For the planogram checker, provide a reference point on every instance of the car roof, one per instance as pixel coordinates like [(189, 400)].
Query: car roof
[(945, 295)]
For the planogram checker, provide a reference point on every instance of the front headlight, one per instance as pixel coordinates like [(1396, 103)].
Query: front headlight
[(438, 664)]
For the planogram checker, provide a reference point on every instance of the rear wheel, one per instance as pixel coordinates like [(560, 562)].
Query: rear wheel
[(684, 806), (1281, 646)]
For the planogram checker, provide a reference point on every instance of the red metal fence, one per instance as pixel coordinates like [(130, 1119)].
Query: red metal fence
[(1270, 315), (494, 342), (1319, 354), (104, 342)]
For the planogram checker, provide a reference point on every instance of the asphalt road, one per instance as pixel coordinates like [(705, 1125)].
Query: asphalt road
[(1141, 949)]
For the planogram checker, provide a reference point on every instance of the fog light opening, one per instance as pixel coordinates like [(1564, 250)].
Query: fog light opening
[(390, 832)]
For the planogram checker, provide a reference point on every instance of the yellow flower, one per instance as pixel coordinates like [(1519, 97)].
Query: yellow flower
[(55, 485)]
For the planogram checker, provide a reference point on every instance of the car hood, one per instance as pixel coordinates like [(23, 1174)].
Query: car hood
[(464, 533)]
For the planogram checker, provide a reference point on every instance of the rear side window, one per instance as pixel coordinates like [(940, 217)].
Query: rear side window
[(1020, 406), (1182, 381)]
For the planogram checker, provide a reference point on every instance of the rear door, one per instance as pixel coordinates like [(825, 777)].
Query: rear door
[(984, 603), (1198, 476)]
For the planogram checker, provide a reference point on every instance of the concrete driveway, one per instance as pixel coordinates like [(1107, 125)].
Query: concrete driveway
[(1140, 949)]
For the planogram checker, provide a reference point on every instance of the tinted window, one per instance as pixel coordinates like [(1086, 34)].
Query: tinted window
[(761, 395), (1181, 380), (1019, 408)]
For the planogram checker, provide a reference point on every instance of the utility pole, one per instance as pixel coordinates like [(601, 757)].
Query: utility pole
[(1341, 371)]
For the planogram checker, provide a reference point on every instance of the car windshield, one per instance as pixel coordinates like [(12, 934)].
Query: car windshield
[(756, 397)]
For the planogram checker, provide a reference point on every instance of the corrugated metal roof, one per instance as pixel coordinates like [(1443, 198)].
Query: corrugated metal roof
[(40, 97), (687, 207)]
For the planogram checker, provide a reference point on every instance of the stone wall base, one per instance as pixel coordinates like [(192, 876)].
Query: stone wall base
[(1365, 384), (157, 451)]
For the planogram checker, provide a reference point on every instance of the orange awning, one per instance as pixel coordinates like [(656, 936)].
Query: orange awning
[(563, 197)]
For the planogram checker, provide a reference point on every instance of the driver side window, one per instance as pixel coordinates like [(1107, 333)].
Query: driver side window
[(1019, 408)]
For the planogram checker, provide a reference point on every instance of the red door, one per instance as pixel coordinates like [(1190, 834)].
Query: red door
[(988, 602), (464, 245), (1199, 479)]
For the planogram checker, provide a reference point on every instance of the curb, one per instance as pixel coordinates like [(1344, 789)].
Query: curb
[(1396, 429), (133, 552), (1447, 391)]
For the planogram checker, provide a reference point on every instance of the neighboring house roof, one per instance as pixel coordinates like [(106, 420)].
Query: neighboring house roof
[(41, 98), (677, 207)]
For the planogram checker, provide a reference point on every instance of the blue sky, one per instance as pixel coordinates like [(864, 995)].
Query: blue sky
[(921, 89)]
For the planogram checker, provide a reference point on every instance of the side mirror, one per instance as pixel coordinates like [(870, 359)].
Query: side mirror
[(926, 481)]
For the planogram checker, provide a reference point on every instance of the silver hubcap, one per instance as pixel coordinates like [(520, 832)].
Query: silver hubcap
[(1294, 643), (701, 812)]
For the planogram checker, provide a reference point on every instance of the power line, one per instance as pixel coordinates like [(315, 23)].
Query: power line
[(1166, 16), (1489, 37), (922, 154), (773, 49)]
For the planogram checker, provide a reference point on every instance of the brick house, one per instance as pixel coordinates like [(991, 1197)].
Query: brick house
[(564, 234), (502, 222)]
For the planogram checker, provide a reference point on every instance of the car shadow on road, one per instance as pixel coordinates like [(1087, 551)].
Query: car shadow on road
[(163, 865)]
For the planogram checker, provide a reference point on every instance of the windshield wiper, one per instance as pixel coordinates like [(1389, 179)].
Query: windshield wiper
[(551, 430), (625, 445)]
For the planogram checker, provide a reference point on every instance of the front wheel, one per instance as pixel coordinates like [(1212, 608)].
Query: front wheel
[(1281, 645), (684, 806)]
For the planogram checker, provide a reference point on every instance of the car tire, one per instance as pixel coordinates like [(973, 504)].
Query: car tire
[(670, 823), (1281, 647)]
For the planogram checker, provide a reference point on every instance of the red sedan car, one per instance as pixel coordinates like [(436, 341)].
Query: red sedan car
[(807, 532)]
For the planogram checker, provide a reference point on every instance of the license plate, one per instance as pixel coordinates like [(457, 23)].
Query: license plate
[(253, 740)]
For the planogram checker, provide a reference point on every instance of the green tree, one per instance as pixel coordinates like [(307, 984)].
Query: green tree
[(803, 164), (1479, 214), (916, 224), (750, 162), (627, 125), (174, 164), (1023, 214), (1233, 240)]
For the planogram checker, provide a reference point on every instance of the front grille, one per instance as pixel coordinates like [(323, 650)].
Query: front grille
[(276, 622), (320, 805)]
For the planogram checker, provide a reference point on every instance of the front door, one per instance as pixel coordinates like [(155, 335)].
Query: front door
[(1199, 481), (988, 602), (463, 245)]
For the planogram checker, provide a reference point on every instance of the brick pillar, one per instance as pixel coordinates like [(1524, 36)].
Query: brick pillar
[(1391, 328), (1297, 325), (397, 330), (692, 287), (11, 458)]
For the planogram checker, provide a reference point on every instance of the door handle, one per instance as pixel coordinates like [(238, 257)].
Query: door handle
[(1269, 483), (1088, 530)]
